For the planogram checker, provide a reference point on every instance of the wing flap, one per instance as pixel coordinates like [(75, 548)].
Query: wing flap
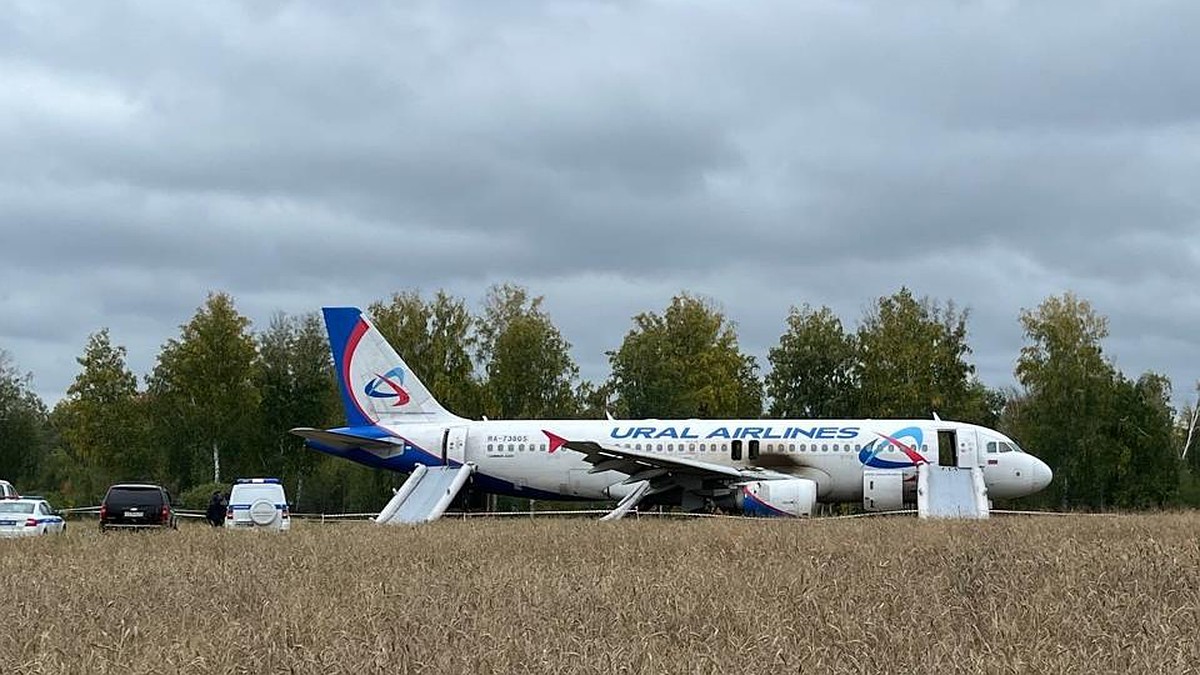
[(648, 474), (622, 465)]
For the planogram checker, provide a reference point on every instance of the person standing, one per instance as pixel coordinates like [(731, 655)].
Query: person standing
[(215, 515)]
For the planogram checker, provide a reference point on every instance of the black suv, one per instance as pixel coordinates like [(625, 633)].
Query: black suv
[(136, 506)]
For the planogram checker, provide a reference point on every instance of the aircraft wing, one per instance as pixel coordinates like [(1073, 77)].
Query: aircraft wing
[(645, 466), (344, 441), (657, 473)]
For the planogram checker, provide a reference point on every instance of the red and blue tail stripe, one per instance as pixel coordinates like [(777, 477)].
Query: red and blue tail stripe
[(346, 329)]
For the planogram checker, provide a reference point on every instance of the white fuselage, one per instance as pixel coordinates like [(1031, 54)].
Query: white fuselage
[(519, 457), (394, 422)]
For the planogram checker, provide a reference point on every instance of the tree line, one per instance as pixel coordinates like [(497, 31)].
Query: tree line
[(221, 396)]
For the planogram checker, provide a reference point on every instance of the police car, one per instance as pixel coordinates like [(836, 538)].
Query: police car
[(258, 503), (29, 517), (7, 491)]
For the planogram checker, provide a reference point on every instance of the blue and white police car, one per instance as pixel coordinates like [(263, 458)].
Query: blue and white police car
[(258, 503), (29, 517)]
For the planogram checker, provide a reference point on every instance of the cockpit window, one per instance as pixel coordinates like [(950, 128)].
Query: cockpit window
[(1005, 447), (991, 447)]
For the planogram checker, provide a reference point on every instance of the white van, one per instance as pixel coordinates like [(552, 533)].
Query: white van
[(7, 491), (258, 503)]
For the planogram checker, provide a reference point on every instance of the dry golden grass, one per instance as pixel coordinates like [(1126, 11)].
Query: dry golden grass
[(1072, 594)]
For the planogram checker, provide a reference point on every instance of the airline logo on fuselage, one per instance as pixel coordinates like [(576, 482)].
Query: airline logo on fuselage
[(869, 455), (388, 385), (762, 433)]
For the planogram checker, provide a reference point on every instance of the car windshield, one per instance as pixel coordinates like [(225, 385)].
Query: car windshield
[(15, 507)]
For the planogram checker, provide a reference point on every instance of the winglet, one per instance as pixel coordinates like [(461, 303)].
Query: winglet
[(556, 441)]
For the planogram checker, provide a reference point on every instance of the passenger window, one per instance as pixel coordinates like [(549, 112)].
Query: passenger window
[(691, 447), (660, 447), (489, 447), (791, 447), (702, 449), (824, 447), (512, 447)]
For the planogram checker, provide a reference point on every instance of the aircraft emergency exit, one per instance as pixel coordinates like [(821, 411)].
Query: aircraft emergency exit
[(754, 466)]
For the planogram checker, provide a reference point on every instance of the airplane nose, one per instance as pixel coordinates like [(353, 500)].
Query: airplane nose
[(1042, 475)]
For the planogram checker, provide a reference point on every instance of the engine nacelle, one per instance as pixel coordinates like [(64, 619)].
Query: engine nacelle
[(789, 497)]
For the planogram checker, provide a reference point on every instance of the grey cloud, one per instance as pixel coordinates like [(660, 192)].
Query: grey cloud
[(608, 155)]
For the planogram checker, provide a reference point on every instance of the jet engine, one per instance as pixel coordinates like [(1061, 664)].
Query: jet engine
[(789, 497)]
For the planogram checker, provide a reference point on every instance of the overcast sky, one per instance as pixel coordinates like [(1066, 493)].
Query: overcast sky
[(606, 155)]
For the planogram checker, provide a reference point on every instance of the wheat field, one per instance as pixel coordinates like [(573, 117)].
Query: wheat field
[(1013, 594)]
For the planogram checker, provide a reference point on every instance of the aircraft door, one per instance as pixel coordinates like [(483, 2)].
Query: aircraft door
[(454, 445), (968, 448), (947, 445)]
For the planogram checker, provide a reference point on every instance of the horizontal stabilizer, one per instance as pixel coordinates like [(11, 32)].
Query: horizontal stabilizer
[(343, 441)]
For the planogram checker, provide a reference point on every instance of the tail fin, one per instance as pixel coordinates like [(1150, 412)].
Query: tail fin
[(375, 383)]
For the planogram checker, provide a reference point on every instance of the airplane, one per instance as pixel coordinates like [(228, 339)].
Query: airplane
[(769, 467)]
